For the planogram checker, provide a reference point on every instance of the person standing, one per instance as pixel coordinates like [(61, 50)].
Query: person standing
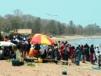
[(56, 52), (98, 55), (83, 54), (92, 54), (87, 50), (78, 55)]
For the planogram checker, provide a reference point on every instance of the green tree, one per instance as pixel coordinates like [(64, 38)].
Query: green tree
[(37, 26), (71, 28), (51, 27), (79, 30)]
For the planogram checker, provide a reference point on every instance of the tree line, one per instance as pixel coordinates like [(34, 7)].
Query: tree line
[(23, 21)]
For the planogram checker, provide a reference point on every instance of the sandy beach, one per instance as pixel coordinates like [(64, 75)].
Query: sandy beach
[(50, 69), (47, 69)]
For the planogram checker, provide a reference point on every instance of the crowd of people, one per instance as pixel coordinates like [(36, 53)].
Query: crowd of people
[(65, 51), (61, 50)]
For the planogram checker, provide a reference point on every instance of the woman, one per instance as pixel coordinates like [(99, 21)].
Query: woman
[(78, 55), (92, 54)]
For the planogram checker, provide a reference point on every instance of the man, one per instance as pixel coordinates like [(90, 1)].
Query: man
[(99, 59)]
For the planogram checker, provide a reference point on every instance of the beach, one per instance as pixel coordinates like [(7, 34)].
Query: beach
[(47, 69), (50, 69)]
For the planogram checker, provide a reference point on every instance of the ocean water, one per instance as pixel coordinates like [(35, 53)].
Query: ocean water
[(95, 41), (89, 41)]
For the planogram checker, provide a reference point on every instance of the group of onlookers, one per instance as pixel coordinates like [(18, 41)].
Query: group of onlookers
[(65, 51), (61, 50)]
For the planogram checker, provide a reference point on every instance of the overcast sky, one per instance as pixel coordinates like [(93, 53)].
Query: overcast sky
[(80, 11)]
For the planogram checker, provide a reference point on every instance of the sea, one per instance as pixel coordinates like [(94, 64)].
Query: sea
[(82, 41)]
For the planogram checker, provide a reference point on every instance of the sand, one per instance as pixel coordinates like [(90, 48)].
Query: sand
[(47, 69)]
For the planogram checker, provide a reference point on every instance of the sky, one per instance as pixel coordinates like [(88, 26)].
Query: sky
[(80, 11)]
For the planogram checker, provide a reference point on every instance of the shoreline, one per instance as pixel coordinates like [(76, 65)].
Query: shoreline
[(68, 38)]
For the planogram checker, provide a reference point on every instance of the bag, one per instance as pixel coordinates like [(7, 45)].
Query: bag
[(16, 62), (33, 52)]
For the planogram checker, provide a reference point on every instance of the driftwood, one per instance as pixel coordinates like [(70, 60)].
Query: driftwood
[(49, 60), (64, 62), (30, 59)]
